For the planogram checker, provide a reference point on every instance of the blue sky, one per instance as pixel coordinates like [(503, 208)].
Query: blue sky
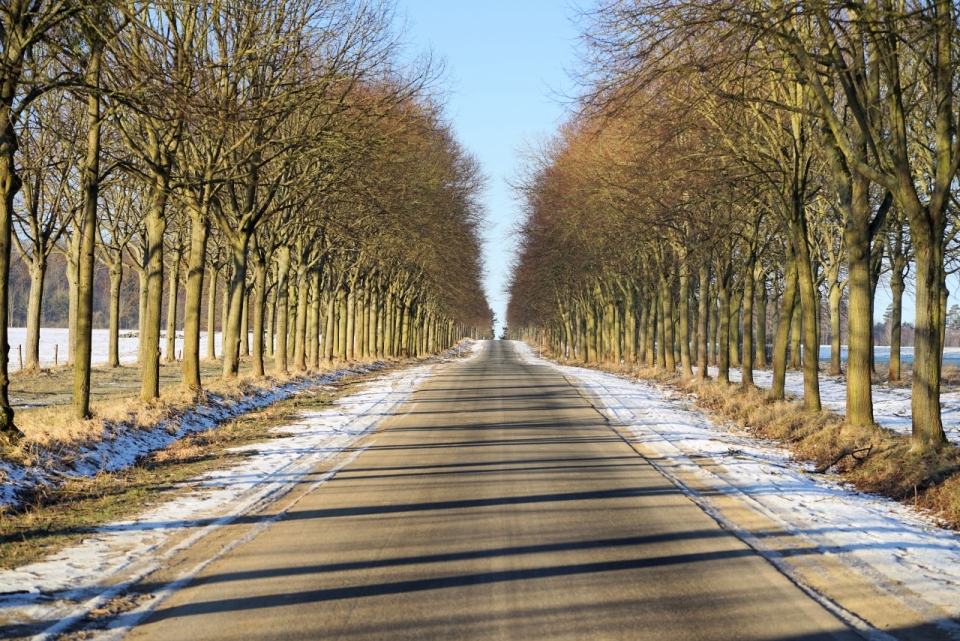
[(507, 61)]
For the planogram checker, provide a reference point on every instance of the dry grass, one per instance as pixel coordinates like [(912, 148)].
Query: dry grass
[(950, 376), (52, 427), (872, 459)]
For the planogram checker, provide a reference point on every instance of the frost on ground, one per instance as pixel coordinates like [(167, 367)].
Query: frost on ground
[(65, 586), (886, 543), (891, 405)]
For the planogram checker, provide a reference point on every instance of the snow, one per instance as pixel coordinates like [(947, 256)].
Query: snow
[(881, 353), (57, 339), (891, 405), (121, 445), (881, 540), (62, 588)]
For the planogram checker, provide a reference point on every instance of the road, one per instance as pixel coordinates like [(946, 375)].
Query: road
[(499, 505)]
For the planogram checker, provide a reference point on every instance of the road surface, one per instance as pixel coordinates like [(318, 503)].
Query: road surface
[(500, 505)]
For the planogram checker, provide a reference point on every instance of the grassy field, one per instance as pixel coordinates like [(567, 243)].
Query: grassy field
[(54, 386)]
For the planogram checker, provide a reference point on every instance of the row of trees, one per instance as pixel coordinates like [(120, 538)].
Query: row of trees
[(284, 151), (733, 159)]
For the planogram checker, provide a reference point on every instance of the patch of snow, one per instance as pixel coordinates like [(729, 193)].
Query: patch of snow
[(123, 552), (882, 540)]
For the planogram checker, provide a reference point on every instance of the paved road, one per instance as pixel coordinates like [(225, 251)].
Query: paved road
[(500, 506)]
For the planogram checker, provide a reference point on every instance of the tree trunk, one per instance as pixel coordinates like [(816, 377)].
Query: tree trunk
[(173, 300), (810, 310), (329, 328), (591, 332), (703, 319), (212, 314), (405, 331), (38, 273), (661, 332), (9, 185), (686, 367), (73, 284), (796, 338), (237, 297), (156, 225), (925, 397), (630, 309), (116, 280), (736, 303), (351, 331), (713, 316), (723, 325), (190, 368), (670, 361), (224, 309), (642, 333), (746, 363), (142, 309), (259, 303), (283, 269), (834, 297), (90, 181), (651, 336), (761, 346), (300, 336), (245, 323), (896, 287), (859, 407), (341, 341), (271, 313), (781, 338), (316, 278)]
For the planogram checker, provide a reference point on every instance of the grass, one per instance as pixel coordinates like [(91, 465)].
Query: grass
[(115, 401), (53, 386), (56, 517), (872, 459)]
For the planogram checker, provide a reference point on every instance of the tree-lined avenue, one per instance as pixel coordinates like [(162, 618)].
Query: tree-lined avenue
[(498, 505)]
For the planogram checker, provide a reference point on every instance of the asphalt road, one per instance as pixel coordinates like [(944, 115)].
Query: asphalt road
[(499, 506)]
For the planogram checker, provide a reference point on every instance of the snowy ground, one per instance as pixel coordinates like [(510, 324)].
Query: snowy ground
[(881, 540), (891, 405), (122, 445), (63, 588), (57, 340)]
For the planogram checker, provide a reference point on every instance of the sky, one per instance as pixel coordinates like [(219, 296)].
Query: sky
[(507, 61)]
